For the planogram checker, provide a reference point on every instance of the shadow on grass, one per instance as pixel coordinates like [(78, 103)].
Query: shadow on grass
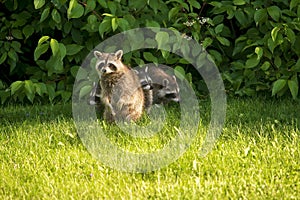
[(39, 113)]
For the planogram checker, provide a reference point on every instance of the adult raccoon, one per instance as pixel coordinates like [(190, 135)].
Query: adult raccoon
[(120, 88)]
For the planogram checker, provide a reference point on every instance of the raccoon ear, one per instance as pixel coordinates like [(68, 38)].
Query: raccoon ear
[(174, 77), (119, 54), (97, 54), (165, 82)]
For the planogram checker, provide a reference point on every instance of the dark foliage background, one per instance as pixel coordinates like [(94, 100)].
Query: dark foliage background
[(255, 44)]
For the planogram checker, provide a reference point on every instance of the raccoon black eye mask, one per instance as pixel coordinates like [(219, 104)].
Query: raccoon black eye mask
[(100, 66)]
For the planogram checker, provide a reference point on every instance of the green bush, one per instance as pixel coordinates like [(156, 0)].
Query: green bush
[(255, 44)]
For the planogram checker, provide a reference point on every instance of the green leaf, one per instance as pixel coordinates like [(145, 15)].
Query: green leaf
[(173, 12), (40, 88), (43, 39), (223, 41), (12, 64), (59, 3), (56, 16), (28, 30), (90, 6), (75, 10), (108, 15), (296, 67), (4, 96), (165, 54), (252, 62), (207, 42), (149, 57), (104, 27), (294, 87), (45, 14), (278, 85), (92, 19), (239, 2), (29, 90), (274, 12), (13, 55), (265, 66), (294, 3), (274, 33), (102, 3), (114, 24), (194, 3), (3, 57), (16, 33), (290, 35), (241, 17), (40, 49), (66, 95), (62, 51), (54, 46), (123, 24), (152, 23), (260, 16), (179, 72), (277, 61), (214, 56), (54, 65), (162, 38), (29, 86), (112, 7), (73, 49), (16, 46), (51, 91), (74, 70), (219, 28), (85, 90), (38, 3), (16, 86), (271, 45), (259, 52), (67, 27), (197, 50)]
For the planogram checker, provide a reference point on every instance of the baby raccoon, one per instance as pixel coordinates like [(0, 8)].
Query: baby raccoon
[(121, 91), (94, 98), (164, 86)]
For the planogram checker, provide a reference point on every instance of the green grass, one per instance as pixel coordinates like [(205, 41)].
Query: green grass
[(256, 157)]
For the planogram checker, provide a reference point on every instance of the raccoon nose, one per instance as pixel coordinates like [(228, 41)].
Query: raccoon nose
[(177, 100), (103, 70)]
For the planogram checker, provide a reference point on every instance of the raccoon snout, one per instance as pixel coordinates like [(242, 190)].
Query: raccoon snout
[(103, 70), (177, 100), (145, 85), (173, 97)]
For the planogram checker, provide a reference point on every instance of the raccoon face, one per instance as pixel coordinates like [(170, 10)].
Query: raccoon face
[(145, 79), (108, 63), (170, 90)]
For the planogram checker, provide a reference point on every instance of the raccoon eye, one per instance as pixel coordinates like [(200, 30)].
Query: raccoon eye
[(112, 67), (100, 66)]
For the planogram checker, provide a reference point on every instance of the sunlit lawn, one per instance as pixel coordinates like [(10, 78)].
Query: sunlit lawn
[(256, 157)]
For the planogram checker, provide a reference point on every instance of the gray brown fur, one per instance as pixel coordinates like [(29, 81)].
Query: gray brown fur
[(121, 91), (164, 86)]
